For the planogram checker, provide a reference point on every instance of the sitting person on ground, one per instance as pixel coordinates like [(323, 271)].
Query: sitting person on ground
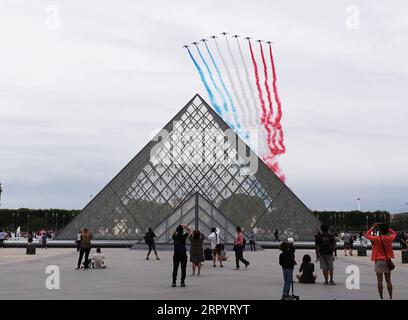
[(306, 270), (98, 260), (223, 255)]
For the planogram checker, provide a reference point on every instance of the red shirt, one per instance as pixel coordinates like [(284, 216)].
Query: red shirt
[(378, 249), (239, 241)]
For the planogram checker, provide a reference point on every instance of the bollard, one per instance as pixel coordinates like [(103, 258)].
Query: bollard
[(30, 249), (404, 256), (362, 251)]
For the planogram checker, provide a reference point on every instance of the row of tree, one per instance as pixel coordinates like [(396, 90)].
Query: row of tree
[(56, 219)]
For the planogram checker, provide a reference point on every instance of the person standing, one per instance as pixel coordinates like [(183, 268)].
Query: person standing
[(2, 237), (347, 238), (215, 245), (316, 237), (78, 240), (149, 239), (196, 251), (239, 249), (287, 262), (180, 253), (84, 248), (325, 248), (276, 235), (44, 240), (381, 254), (252, 240)]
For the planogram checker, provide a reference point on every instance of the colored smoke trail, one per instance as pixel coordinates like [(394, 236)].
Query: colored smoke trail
[(202, 77), (220, 78), (244, 109), (269, 117), (251, 89), (214, 83), (278, 103), (258, 86), (234, 90)]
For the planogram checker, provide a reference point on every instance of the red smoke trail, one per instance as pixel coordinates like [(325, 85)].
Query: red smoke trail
[(278, 103), (269, 117), (258, 86)]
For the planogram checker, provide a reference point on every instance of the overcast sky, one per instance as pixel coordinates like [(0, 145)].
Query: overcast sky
[(82, 94)]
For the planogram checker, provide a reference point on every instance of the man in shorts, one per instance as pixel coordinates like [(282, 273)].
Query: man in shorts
[(325, 247)]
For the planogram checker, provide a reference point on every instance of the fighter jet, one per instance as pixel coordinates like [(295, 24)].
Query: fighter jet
[(195, 43), (235, 36), (203, 40), (248, 38), (185, 46), (269, 42), (259, 41), (213, 37), (224, 33)]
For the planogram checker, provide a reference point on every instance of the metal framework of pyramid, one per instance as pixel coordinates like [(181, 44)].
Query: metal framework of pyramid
[(195, 155)]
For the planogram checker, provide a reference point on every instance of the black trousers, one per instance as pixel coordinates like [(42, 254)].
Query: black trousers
[(179, 259), (83, 251), (2, 243), (252, 243), (239, 256)]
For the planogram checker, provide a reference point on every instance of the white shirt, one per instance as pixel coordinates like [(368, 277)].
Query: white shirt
[(98, 258), (214, 238)]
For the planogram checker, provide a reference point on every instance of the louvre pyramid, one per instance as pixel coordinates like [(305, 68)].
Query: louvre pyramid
[(195, 153)]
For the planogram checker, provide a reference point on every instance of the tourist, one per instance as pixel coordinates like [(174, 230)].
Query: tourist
[(214, 243), (30, 238), (98, 260), (347, 238), (316, 236), (325, 248), (306, 271), (223, 256), (276, 235), (44, 240), (196, 251), (252, 240), (287, 262), (149, 239), (360, 235), (78, 240), (84, 248), (381, 254), (2, 237), (180, 253), (239, 248)]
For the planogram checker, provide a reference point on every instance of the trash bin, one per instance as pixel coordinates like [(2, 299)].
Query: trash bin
[(362, 251), (404, 256), (30, 249)]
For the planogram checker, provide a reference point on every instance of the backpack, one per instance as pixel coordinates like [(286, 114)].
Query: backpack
[(326, 246), (148, 237)]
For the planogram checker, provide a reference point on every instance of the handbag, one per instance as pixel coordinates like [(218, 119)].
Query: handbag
[(391, 264)]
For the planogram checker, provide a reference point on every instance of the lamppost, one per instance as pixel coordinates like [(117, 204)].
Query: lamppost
[(1, 190), (367, 221)]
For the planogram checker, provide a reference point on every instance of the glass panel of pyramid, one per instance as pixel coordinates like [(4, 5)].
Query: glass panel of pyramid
[(196, 152)]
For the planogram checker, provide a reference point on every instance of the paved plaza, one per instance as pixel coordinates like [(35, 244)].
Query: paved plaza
[(130, 276)]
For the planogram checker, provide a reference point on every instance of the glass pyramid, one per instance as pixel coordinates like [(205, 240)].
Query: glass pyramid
[(195, 155)]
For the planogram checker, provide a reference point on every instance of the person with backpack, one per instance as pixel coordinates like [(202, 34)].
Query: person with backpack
[(325, 249), (381, 254), (149, 239), (180, 253), (215, 245), (239, 248), (287, 262), (84, 248)]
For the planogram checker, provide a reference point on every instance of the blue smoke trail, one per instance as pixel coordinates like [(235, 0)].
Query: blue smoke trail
[(224, 86), (214, 83), (210, 94)]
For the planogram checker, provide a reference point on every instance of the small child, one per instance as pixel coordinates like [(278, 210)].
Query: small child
[(306, 270), (287, 261), (98, 260)]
